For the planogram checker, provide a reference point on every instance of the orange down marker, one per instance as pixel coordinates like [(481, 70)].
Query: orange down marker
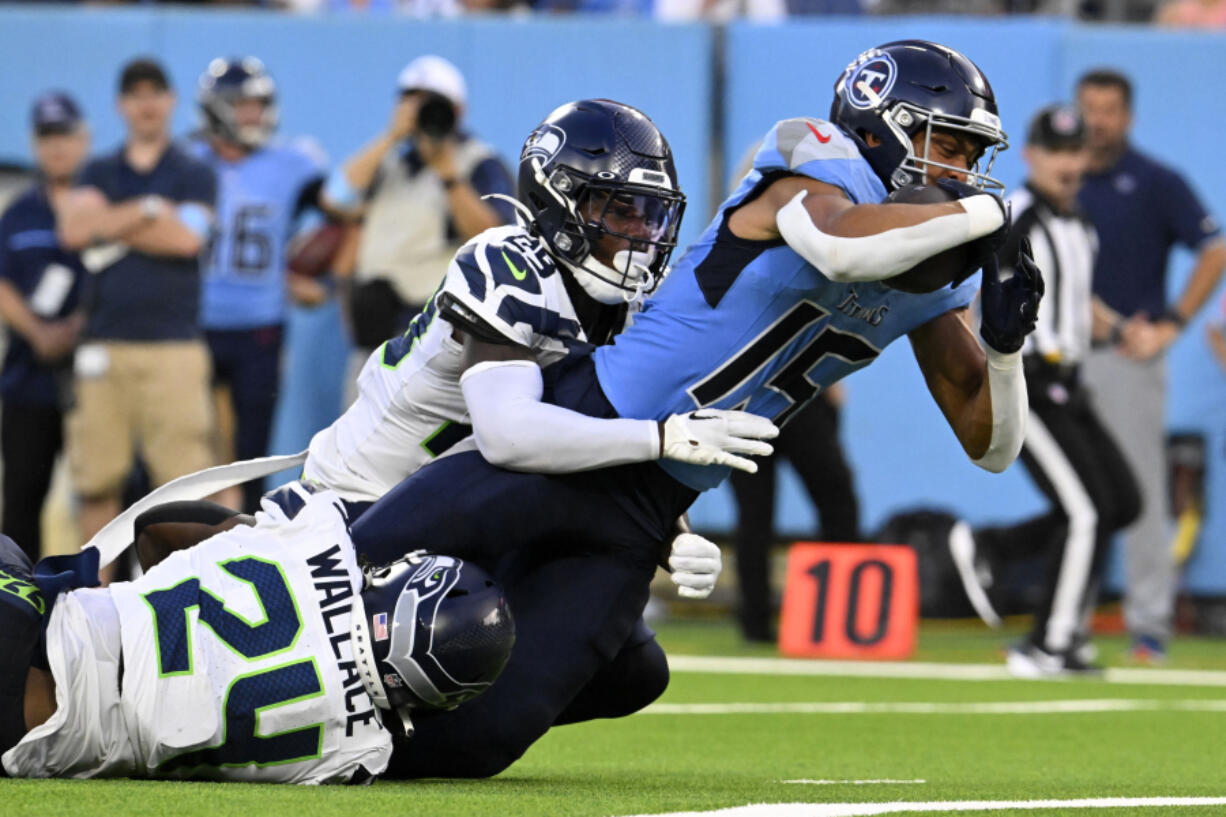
[(850, 601)]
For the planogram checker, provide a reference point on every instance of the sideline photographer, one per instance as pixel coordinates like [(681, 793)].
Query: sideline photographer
[(417, 188)]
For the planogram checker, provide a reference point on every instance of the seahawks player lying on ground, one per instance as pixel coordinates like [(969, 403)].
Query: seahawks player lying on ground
[(306, 667), (786, 292)]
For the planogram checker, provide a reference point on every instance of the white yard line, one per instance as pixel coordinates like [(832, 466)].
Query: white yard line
[(884, 781), (938, 708), (869, 809), (916, 669)]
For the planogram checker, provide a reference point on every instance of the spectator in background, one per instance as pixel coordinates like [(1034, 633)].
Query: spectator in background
[(39, 284), (264, 189), (810, 441), (418, 188), (1192, 14), (1140, 208), (140, 217)]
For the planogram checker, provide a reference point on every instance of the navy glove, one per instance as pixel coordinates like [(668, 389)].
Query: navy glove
[(985, 247), (1010, 308)]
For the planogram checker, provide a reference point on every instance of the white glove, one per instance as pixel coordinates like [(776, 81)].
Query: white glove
[(715, 437), (695, 565)]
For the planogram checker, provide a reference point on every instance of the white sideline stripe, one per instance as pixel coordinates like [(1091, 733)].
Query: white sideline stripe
[(917, 669), (884, 780), (942, 708), (869, 809)]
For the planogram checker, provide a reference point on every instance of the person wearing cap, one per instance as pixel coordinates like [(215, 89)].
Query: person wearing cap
[(141, 216), (1141, 209), (418, 187), (1072, 458), (39, 287)]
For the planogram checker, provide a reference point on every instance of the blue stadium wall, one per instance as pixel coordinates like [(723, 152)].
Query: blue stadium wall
[(336, 76)]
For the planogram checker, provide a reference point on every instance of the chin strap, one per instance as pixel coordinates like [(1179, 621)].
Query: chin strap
[(522, 214)]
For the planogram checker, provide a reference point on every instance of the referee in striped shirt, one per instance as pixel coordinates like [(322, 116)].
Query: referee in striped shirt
[(1070, 455)]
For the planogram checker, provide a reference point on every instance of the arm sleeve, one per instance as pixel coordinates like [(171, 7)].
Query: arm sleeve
[(515, 430), (1190, 222)]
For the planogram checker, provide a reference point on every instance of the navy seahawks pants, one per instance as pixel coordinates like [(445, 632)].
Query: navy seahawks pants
[(249, 362), (575, 554)]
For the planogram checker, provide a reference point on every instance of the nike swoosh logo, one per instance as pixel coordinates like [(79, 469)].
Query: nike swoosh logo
[(818, 134), (703, 417), (516, 272)]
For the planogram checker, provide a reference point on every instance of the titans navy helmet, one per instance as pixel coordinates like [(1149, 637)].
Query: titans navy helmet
[(898, 89), (224, 84), (598, 168), (429, 632)]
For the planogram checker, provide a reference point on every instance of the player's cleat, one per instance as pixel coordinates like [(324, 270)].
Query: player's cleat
[(975, 578), (1031, 662)]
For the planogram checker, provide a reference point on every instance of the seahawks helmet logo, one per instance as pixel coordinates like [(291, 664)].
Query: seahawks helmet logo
[(871, 80), (544, 144)]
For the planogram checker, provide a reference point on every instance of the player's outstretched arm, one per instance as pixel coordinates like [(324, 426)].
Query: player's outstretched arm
[(981, 390), (862, 242), (502, 389)]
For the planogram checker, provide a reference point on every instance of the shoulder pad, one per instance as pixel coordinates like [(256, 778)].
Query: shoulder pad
[(793, 143), (510, 257)]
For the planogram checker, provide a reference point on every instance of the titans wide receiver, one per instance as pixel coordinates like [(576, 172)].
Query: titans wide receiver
[(262, 654), (267, 189), (786, 292)]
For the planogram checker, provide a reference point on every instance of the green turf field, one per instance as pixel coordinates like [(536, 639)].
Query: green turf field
[(939, 740)]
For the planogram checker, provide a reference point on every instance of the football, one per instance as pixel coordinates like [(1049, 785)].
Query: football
[(937, 271), (312, 253)]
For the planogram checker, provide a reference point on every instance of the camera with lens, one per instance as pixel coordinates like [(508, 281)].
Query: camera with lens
[(436, 116)]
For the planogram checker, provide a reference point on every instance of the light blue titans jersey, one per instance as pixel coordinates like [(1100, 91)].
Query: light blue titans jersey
[(750, 324), (259, 200)]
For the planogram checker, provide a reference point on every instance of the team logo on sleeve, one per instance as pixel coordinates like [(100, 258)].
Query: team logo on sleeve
[(544, 144), (871, 79)]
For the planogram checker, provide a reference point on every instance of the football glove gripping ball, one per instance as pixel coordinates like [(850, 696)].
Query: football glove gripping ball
[(717, 437)]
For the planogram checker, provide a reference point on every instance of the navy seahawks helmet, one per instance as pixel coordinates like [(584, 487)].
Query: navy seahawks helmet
[(429, 632), (898, 89), (597, 168), (226, 82)]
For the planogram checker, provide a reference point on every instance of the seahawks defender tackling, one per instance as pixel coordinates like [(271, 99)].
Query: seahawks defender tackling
[(786, 292), (303, 661), (539, 294)]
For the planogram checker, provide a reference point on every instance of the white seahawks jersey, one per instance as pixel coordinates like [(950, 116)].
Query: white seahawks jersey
[(230, 660), (502, 285)]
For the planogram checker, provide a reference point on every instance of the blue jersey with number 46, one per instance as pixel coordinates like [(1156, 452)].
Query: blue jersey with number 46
[(752, 325), (259, 200)]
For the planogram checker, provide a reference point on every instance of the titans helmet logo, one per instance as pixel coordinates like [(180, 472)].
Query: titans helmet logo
[(871, 80)]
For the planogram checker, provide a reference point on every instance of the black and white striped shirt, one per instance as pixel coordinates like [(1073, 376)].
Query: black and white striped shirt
[(1064, 245)]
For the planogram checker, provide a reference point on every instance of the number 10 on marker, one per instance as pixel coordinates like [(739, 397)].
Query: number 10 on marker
[(850, 601)]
